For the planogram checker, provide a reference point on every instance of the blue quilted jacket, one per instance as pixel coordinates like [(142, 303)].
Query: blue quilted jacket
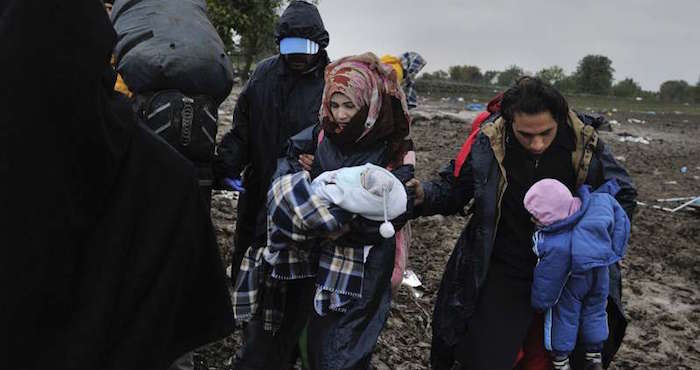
[(595, 236)]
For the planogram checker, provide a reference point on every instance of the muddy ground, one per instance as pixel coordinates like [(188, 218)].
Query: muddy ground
[(661, 281)]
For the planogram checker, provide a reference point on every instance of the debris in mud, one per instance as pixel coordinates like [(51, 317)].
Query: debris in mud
[(660, 273), (419, 116), (642, 204), (624, 137), (475, 107), (679, 199), (690, 203), (686, 204), (635, 120), (410, 279)]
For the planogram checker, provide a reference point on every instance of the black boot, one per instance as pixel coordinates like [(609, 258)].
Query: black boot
[(561, 362), (593, 361)]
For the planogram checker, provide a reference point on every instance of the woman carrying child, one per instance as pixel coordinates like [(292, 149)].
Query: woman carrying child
[(363, 120)]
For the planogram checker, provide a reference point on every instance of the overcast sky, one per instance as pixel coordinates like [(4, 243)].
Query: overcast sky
[(650, 41)]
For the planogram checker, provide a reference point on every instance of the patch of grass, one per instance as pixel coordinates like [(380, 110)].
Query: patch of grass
[(596, 103)]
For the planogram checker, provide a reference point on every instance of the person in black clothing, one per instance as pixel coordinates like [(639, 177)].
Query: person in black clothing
[(281, 98), (483, 313), (109, 259)]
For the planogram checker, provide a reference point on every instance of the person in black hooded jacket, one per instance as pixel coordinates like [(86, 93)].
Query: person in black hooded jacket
[(364, 119), (282, 97)]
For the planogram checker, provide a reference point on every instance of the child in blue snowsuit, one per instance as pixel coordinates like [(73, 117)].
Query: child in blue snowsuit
[(576, 240)]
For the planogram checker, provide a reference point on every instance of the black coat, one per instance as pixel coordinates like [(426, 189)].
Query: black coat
[(346, 340), (275, 104), (466, 270), (109, 259)]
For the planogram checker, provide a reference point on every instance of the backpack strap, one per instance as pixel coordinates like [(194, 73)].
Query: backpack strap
[(586, 142), (493, 111), (461, 158)]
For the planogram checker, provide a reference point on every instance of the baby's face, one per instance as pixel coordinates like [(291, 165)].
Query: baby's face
[(375, 181)]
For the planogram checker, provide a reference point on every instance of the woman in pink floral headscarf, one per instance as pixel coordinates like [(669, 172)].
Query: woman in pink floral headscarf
[(363, 119)]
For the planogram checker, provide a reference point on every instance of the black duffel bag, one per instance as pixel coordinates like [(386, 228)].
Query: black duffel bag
[(170, 44)]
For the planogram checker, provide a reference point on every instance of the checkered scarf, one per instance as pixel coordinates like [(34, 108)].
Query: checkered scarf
[(254, 288), (412, 63), (297, 248)]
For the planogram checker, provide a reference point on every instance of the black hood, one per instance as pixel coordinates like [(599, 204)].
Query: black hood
[(90, 254), (302, 19), (58, 85)]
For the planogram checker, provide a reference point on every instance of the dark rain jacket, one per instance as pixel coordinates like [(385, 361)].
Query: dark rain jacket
[(109, 258), (346, 340), (275, 104), (483, 180)]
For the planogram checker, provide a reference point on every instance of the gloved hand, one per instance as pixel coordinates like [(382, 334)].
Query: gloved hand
[(235, 184)]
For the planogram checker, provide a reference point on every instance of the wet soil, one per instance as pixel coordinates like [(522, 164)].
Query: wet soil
[(661, 272)]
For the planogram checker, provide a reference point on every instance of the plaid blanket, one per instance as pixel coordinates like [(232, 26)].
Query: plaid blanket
[(297, 248), (256, 293), (412, 63)]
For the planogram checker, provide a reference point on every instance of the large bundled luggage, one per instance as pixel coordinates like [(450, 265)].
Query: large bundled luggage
[(188, 124), (170, 44), (174, 62)]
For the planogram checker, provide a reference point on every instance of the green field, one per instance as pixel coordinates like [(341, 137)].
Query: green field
[(604, 103), (480, 93)]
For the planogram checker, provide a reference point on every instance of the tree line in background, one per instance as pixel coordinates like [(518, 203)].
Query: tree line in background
[(247, 28), (593, 75)]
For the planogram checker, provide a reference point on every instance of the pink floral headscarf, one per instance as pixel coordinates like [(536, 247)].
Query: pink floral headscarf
[(365, 81), (374, 88)]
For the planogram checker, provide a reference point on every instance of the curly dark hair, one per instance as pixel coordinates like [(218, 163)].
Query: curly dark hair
[(531, 95)]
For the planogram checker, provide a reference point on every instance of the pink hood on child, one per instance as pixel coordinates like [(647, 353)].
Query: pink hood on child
[(550, 201)]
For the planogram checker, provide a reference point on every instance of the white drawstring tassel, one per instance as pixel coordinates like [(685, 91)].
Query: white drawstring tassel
[(386, 229)]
